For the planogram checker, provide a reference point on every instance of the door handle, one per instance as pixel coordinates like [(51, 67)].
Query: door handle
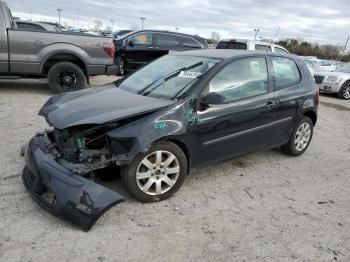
[(270, 105), (149, 47)]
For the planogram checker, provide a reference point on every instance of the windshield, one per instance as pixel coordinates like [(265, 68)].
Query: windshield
[(168, 77)]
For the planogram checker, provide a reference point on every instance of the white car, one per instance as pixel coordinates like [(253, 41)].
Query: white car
[(310, 66), (322, 65), (245, 44), (335, 82)]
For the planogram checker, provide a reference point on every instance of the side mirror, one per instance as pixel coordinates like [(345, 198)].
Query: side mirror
[(213, 99), (131, 43)]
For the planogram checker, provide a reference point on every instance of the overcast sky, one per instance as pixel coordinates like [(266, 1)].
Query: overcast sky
[(323, 21)]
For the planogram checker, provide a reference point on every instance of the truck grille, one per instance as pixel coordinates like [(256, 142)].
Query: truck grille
[(319, 79)]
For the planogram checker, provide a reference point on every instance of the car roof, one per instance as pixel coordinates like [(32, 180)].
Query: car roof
[(227, 53), (169, 32)]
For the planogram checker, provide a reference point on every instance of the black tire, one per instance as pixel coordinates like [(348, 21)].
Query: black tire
[(344, 92), (108, 174), (290, 148), (69, 71), (128, 173), (120, 64)]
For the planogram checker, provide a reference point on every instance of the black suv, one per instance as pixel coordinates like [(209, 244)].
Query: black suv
[(184, 110), (139, 48)]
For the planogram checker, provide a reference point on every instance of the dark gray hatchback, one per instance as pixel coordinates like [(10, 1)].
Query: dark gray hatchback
[(183, 110)]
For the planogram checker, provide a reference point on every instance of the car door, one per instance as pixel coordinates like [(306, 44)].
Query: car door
[(288, 93), (245, 122), (139, 49), (165, 42)]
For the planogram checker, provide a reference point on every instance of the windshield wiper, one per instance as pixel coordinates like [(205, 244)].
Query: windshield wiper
[(167, 78)]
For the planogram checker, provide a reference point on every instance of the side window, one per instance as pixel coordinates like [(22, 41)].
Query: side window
[(142, 39), (167, 39), (241, 79), (285, 72), (265, 48), (189, 42), (30, 27), (280, 51)]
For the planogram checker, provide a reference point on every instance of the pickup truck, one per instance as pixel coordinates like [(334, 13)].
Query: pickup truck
[(66, 59)]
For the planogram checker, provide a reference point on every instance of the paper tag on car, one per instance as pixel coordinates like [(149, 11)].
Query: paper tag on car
[(189, 74)]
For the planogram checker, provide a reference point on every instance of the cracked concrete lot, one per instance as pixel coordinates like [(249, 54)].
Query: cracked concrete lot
[(262, 207)]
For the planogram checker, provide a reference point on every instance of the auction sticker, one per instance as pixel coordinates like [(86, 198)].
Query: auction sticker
[(189, 74)]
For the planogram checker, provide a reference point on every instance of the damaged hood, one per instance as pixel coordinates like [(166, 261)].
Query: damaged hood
[(97, 106)]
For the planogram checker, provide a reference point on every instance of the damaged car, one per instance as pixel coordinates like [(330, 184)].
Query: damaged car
[(183, 110)]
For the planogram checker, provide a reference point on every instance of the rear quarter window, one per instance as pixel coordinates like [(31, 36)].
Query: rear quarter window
[(285, 72), (265, 48), (189, 42), (280, 51)]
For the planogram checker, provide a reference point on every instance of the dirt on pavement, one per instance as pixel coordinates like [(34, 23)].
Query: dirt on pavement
[(262, 207)]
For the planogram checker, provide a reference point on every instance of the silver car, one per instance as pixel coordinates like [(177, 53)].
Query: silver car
[(335, 82)]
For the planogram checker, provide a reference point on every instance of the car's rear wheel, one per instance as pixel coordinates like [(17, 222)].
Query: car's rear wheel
[(156, 174), (120, 64), (300, 138), (344, 92), (66, 76)]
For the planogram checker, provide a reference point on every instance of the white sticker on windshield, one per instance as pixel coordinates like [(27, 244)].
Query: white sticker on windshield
[(189, 74)]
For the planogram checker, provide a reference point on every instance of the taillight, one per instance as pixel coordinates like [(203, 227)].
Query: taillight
[(318, 95), (109, 49)]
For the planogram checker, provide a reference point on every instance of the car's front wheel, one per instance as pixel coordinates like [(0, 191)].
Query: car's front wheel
[(344, 92), (300, 138), (156, 174)]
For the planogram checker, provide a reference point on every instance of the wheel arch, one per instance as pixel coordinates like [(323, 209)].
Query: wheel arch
[(312, 115), (184, 148), (64, 57)]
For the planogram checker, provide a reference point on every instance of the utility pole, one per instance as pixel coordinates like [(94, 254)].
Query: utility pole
[(342, 53), (59, 10), (256, 30), (142, 20), (112, 21)]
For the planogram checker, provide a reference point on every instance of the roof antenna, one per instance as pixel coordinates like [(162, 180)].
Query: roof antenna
[(274, 37)]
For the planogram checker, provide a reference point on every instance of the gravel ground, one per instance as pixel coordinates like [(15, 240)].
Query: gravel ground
[(262, 207)]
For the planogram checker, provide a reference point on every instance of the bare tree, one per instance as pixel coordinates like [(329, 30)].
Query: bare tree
[(214, 37)]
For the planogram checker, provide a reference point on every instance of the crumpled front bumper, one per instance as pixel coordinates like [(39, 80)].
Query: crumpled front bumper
[(74, 198)]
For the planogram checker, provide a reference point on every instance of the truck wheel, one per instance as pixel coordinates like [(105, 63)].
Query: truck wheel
[(66, 76), (344, 92), (120, 64), (156, 174)]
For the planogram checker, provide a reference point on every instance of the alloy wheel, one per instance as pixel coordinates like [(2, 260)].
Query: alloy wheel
[(157, 173), (346, 91), (302, 137)]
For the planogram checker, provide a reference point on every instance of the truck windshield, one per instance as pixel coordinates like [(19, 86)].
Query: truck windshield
[(168, 77)]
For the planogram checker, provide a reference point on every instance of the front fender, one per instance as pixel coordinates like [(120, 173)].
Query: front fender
[(169, 123)]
